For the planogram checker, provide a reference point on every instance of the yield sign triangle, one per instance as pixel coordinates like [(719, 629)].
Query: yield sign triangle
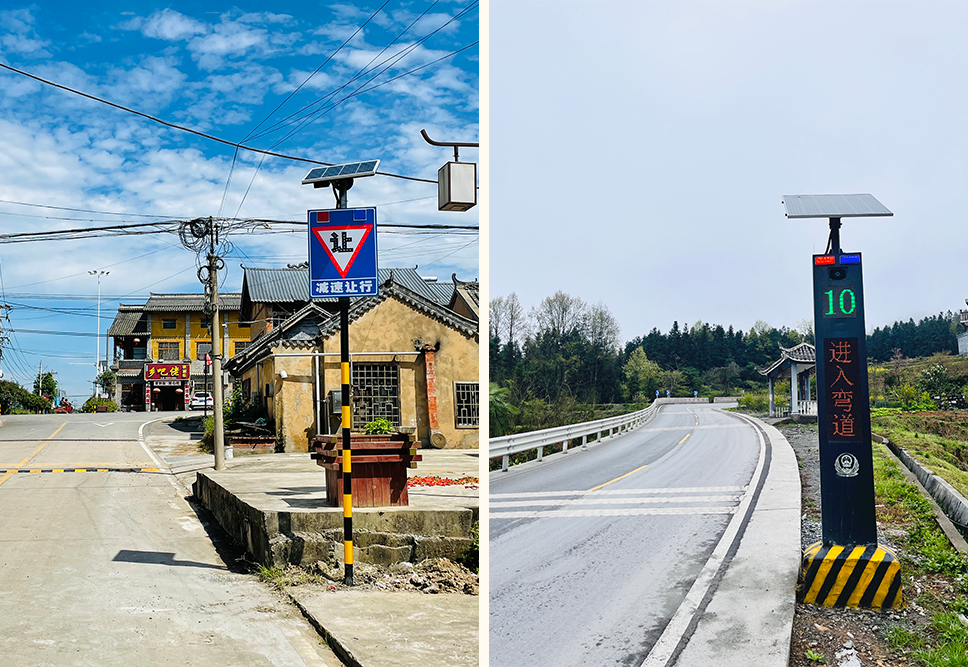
[(342, 244)]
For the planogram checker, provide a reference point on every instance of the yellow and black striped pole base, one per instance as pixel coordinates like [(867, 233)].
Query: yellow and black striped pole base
[(866, 576)]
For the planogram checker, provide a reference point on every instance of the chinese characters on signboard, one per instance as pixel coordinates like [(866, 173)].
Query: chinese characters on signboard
[(842, 368), (345, 287), (167, 371)]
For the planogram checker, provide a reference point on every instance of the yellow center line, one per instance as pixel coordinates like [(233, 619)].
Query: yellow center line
[(9, 474), (596, 488), (684, 439)]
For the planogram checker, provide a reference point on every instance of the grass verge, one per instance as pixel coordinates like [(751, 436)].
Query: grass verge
[(934, 574)]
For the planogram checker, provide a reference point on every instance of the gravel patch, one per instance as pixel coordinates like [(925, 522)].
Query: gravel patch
[(844, 637)]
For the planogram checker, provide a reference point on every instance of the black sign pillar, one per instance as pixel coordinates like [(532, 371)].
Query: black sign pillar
[(848, 568), (843, 405)]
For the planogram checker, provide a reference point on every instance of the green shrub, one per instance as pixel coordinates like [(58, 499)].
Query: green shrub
[(755, 402), (94, 402), (379, 427)]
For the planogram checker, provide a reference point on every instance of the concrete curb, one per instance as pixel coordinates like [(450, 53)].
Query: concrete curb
[(749, 620), (302, 537), (952, 505)]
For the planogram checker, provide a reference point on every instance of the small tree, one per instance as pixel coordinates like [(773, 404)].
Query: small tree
[(45, 385), (500, 409), (107, 381)]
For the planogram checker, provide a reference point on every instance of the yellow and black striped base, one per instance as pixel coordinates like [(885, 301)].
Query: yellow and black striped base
[(867, 576)]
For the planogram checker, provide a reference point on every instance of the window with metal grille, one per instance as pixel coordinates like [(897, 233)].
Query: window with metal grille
[(240, 345), (376, 393), (168, 324), (169, 351), (467, 401)]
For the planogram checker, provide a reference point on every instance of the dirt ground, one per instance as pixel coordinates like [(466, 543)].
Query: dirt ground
[(844, 637), (434, 575)]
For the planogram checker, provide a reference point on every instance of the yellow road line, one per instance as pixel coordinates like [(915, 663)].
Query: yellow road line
[(684, 439), (7, 475), (596, 488), (85, 464)]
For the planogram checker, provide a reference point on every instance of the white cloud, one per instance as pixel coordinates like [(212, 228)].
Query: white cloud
[(171, 26), (19, 35)]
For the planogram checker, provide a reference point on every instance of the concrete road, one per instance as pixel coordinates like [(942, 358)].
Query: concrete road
[(114, 567), (592, 552)]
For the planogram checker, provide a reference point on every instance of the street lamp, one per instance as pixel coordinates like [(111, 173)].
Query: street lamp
[(97, 336)]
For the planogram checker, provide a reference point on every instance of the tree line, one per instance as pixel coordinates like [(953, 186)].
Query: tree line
[(564, 347)]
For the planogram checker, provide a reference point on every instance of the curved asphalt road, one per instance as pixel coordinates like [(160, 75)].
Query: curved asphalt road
[(592, 552)]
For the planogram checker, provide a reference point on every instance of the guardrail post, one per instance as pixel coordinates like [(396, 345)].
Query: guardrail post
[(564, 446), (505, 462), (584, 442), (540, 452)]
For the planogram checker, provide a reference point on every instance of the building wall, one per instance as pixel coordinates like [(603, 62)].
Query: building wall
[(196, 333), (391, 327), (293, 404), (394, 326)]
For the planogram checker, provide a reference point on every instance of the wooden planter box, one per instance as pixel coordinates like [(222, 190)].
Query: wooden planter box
[(379, 467)]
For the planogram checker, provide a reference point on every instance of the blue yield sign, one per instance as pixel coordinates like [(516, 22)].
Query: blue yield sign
[(343, 253)]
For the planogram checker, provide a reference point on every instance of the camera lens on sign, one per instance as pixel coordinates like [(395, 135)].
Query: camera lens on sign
[(838, 273)]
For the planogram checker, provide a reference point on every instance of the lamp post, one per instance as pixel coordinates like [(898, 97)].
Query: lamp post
[(97, 337)]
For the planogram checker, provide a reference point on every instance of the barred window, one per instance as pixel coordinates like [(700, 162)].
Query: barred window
[(240, 345), (376, 393), (467, 401), (168, 324), (169, 351)]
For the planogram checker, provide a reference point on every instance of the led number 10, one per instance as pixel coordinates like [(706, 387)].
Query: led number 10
[(840, 302)]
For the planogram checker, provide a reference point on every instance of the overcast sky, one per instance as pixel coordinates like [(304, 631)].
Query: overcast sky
[(220, 69), (639, 152)]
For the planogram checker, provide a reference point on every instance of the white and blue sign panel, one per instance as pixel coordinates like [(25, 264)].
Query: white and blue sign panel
[(342, 253)]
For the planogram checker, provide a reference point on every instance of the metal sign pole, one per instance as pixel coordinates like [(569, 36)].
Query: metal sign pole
[(344, 365), (343, 264), (344, 357)]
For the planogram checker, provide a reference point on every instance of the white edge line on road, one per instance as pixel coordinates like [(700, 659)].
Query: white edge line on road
[(674, 631), (618, 492), (169, 475), (630, 511)]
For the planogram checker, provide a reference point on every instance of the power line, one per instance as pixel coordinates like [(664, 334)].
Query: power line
[(188, 129)]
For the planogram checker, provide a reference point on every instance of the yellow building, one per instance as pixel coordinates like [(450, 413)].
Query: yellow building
[(414, 359), (160, 348)]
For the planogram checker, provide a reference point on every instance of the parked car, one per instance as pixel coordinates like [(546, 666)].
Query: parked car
[(201, 400)]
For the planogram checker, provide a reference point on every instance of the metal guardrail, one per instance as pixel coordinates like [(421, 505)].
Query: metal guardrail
[(507, 445)]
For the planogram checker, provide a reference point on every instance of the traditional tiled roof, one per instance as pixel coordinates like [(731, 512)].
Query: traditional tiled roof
[(291, 284), (130, 321), (443, 292), (313, 323), (192, 303), (300, 329), (469, 293), (804, 353), (415, 300)]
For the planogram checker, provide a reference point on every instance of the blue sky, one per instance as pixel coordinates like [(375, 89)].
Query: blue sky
[(660, 137), (67, 162)]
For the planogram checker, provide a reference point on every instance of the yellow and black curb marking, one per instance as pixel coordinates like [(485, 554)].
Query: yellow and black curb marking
[(866, 576), (92, 469)]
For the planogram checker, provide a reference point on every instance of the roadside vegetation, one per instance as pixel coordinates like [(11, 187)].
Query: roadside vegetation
[(934, 575)]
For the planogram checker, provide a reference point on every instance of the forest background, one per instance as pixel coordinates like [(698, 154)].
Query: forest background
[(562, 361)]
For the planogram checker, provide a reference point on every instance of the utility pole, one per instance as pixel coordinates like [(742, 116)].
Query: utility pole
[(97, 337), (201, 235), (214, 264)]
